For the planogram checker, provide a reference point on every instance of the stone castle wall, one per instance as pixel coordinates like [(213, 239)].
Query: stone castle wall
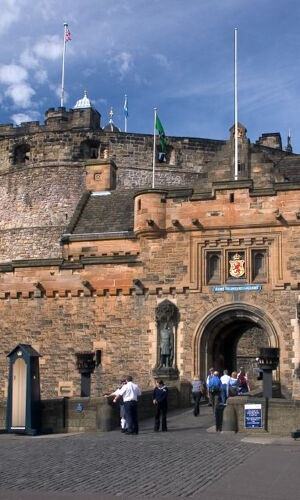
[(37, 204), (41, 193), (123, 327), (51, 307)]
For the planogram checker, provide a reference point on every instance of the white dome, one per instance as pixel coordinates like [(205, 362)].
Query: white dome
[(84, 102)]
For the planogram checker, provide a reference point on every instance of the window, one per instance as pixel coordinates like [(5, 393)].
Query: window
[(89, 149), (259, 265), (21, 154), (213, 267)]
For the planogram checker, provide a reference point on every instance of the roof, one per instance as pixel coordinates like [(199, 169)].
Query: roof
[(111, 127), (26, 349), (84, 102), (106, 212)]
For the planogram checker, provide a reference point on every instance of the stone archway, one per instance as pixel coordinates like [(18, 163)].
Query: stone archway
[(230, 337)]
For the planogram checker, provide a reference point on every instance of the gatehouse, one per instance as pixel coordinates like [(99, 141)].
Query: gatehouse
[(102, 274)]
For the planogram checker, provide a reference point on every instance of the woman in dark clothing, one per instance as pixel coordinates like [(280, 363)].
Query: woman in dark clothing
[(160, 401)]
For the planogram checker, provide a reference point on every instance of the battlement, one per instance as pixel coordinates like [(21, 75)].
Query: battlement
[(56, 119), (83, 118)]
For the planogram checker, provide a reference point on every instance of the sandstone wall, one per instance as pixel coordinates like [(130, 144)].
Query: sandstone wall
[(123, 327)]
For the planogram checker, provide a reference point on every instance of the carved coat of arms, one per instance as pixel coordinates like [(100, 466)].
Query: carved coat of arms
[(237, 269)]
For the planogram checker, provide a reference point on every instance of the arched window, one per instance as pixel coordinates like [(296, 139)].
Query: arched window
[(259, 265), (21, 154), (89, 149), (213, 267)]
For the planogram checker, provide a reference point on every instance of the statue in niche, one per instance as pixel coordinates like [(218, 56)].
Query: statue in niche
[(167, 317), (166, 345)]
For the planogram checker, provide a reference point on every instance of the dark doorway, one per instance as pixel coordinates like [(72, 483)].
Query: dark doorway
[(231, 338), (237, 345), (85, 385)]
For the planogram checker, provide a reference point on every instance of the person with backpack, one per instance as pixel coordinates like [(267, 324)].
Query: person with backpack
[(243, 386), (215, 389)]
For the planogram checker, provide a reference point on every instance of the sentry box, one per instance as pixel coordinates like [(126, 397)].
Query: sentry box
[(23, 401)]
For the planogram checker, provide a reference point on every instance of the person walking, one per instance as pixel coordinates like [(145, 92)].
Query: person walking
[(160, 401), (215, 388), (209, 376), (197, 393), (225, 381), (130, 393)]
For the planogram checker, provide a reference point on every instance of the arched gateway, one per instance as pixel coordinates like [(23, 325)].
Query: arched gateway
[(231, 336)]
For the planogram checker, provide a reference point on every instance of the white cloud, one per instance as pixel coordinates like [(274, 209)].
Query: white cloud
[(41, 76), (21, 94), (57, 91), (28, 60), (123, 63), (12, 73), (10, 13), (18, 89), (24, 117), (50, 47)]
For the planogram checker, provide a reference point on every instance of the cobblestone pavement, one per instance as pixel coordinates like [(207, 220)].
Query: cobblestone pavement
[(173, 464)]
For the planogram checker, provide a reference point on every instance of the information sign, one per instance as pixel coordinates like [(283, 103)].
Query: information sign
[(253, 416), (237, 288)]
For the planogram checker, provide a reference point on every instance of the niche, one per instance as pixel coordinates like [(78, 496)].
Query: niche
[(89, 150), (21, 154)]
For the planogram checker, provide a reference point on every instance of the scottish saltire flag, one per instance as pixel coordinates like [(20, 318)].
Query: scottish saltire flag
[(162, 135), (126, 107), (67, 35)]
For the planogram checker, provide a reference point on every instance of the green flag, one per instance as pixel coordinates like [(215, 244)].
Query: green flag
[(162, 136)]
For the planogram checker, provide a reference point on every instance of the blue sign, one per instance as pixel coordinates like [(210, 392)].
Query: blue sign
[(253, 416), (79, 407), (237, 288)]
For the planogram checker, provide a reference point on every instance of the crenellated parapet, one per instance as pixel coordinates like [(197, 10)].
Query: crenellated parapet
[(55, 119)]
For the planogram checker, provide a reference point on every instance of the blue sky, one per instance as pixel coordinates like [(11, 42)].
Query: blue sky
[(171, 54)]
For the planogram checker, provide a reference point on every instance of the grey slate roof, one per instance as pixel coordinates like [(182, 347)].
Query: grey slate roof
[(106, 214), (290, 167)]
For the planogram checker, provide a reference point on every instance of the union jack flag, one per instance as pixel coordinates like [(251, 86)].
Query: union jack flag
[(67, 35)]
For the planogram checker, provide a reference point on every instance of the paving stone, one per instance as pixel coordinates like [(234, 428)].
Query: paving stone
[(177, 463)]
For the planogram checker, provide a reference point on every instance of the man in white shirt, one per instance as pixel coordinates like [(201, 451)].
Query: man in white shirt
[(225, 381), (130, 393)]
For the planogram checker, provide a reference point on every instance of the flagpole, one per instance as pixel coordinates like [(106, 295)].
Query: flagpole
[(154, 149), (235, 109), (126, 112), (62, 94)]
